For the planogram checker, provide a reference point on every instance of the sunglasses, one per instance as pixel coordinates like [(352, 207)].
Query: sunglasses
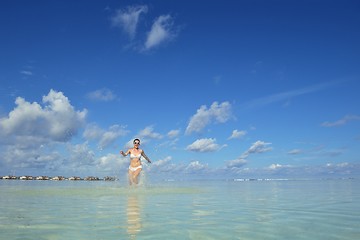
[(136, 143)]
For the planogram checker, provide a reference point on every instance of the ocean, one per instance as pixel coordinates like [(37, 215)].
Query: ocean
[(254, 210)]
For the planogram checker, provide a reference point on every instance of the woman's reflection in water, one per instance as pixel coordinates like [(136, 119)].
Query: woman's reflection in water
[(133, 216)]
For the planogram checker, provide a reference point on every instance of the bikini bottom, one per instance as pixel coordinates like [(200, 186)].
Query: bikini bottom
[(133, 169)]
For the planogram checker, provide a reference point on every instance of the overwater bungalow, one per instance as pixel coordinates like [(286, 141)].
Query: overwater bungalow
[(91, 178), (26, 178), (74, 178), (42, 178), (107, 178), (58, 178), (10, 177)]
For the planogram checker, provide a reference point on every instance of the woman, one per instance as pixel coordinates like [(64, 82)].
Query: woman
[(135, 162)]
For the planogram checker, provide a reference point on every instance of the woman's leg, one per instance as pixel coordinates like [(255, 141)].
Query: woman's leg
[(130, 175), (136, 176)]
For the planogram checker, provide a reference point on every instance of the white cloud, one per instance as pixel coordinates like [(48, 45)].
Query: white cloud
[(339, 165), (235, 168), (257, 147), (27, 73), (111, 135), (56, 159), (237, 163), (162, 161), (93, 132), (167, 166), (161, 31), (219, 113), (34, 136), (55, 121), (173, 133), (295, 152), (285, 96), (103, 94), (276, 170), (204, 145), (144, 135), (104, 138), (335, 169), (110, 162), (275, 166), (236, 134), (164, 165), (17, 157), (80, 154), (148, 132), (342, 121), (196, 166), (127, 19)]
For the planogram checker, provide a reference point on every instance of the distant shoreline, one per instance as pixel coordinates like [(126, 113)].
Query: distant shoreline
[(112, 178), (57, 178)]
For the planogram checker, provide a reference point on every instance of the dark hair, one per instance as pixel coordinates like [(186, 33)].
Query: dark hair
[(136, 139)]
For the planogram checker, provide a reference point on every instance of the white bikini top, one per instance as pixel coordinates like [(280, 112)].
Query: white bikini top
[(132, 156)]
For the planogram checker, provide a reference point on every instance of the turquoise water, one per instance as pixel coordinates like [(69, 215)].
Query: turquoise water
[(325, 209)]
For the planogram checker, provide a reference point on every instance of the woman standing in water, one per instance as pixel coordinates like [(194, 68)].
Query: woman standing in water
[(135, 163)]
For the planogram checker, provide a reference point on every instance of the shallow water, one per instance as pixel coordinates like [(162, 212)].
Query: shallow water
[(326, 209)]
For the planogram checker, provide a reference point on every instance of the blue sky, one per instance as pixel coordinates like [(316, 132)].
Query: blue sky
[(214, 89)]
